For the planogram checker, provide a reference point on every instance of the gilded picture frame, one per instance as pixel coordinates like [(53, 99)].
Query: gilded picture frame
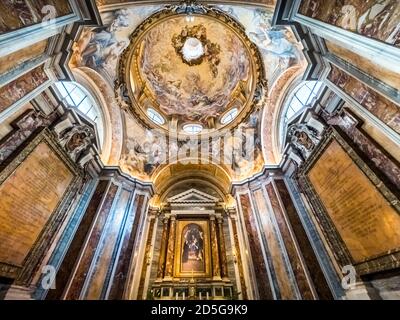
[(374, 263), (201, 267)]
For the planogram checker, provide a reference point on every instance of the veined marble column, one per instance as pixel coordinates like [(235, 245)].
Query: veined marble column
[(214, 249), (222, 250), (169, 264), (163, 249), (236, 252)]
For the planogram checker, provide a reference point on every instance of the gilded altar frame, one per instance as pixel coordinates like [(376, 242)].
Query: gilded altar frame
[(385, 261), (24, 274), (178, 273)]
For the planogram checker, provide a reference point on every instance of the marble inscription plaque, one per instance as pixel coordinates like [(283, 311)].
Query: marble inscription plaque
[(28, 197), (367, 223)]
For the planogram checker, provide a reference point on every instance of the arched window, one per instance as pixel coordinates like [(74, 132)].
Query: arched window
[(155, 116), (303, 96), (76, 96), (193, 128), (229, 116)]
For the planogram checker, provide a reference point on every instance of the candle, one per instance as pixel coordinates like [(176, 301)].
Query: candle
[(183, 295), (176, 296), (207, 295), (200, 295)]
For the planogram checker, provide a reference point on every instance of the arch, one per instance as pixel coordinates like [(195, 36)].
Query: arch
[(271, 113), (204, 176), (77, 96), (111, 110)]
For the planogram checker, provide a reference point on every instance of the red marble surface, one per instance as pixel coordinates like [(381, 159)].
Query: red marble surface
[(264, 288), (89, 252), (381, 107), (128, 241), (70, 259), (304, 245), (292, 252)]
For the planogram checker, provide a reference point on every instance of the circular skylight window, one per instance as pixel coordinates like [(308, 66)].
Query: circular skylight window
[(155, 116), (192, 49), (192, 128), (229, 116)]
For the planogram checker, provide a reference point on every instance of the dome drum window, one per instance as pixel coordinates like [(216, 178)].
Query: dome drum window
[(229, 116), (155, 116), (192, 128)]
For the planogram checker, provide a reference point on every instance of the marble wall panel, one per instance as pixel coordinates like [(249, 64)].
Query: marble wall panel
[(368, 66), (118, 283), (28, 198), (372, 151), (14, 60), (16, 14), (276, 250), (293, 254), (260, 268), (314, 270), (374, 19), (71, 256), (376, 104), (107, 247), (82, 269), (20, 87), (366, 222)]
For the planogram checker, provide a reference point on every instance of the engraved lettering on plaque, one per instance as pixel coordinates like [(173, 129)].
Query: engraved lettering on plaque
[(367, 223), (28, 197)]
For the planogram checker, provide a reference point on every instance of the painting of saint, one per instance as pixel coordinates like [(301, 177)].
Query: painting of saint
[(193, 249)]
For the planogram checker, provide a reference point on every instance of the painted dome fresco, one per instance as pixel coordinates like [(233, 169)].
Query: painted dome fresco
[(191, 71)]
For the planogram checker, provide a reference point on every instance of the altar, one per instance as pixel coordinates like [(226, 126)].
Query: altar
[(192, 259)]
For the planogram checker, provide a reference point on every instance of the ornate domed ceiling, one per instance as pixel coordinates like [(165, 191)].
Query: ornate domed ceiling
[(193, 70), (190, 70), (181, 66)]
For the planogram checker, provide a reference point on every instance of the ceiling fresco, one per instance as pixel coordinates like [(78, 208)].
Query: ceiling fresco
[(100, 48), (190, 69), (142, 151), (193, 90), (278, 46)]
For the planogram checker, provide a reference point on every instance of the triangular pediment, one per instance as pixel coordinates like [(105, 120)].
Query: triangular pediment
[(193, 196)]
